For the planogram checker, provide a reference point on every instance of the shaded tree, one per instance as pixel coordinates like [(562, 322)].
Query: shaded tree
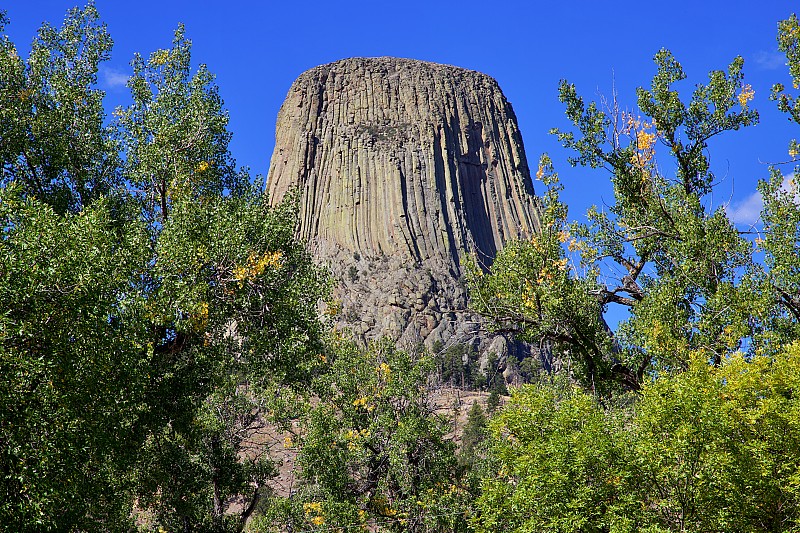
[(148, 307)]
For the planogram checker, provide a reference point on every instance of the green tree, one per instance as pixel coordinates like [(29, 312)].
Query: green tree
[(558, 464), (174, 134), (74, 360), (234, 319), (371, 451), (716, 448), (52, 138), (713, 448), (473, 436), (232, 295), (72, 350), (687, 279), (781, 214), (458, 366), (149, 309), (709, 441)]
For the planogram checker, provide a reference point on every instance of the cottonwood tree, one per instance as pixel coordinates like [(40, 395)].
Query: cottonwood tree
[(233, 295), (780, 239), (706, 439), (713, 448), (72, 350), (372, 453), (150, 296), (54, 143), (660, 250), (174, 134)]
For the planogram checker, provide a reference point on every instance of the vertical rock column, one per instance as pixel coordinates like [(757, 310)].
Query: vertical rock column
[(402, 168)]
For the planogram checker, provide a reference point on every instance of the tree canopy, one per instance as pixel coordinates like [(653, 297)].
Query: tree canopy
[(682, 416), (679, 266), (146, 286)]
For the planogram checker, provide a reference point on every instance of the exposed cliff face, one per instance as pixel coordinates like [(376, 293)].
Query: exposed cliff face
[(402, 167)]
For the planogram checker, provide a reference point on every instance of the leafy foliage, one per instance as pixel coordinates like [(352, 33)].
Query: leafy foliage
[(234, 307), (155, 313), (708, 449), (52, 139), (74, 357), (708, 441), (686, 274), (371, 450), (146, 307), (781, 214), (175, 133)]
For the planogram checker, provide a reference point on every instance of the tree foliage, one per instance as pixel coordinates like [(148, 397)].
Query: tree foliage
[(234, 314), (372, 452), (708, 449), (660, 251), (52, 138), (781, 214), (73, 355), (150, 296), (155, 313), (708, 439), (175, 133)]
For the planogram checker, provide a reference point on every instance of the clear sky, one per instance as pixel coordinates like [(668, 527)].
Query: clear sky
[(258, 48)]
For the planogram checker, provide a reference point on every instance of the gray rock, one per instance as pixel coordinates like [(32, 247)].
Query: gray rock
[(410, 166)]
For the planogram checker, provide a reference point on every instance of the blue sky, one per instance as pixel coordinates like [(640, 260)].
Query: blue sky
[(257, 49)]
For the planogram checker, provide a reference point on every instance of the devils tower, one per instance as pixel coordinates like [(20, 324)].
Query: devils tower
[(403, 168)]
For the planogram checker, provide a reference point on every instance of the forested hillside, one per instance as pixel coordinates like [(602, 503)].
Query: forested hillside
[(159, 316)]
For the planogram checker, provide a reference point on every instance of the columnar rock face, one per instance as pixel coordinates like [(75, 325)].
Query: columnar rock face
[(403, 168)]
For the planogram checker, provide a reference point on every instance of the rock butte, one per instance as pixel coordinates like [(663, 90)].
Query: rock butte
[(403, 167)]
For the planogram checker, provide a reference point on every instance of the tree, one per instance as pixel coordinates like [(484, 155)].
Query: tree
[(716, 447), (557, 460), (781, 214), (72, 351), (52, 138), (372, 452), (686, 274), (233, 319), (174, 134), (713, 448), (232, 295), (708, 439), (458, 365), (473, 436), (149, 309), (74, 359)]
